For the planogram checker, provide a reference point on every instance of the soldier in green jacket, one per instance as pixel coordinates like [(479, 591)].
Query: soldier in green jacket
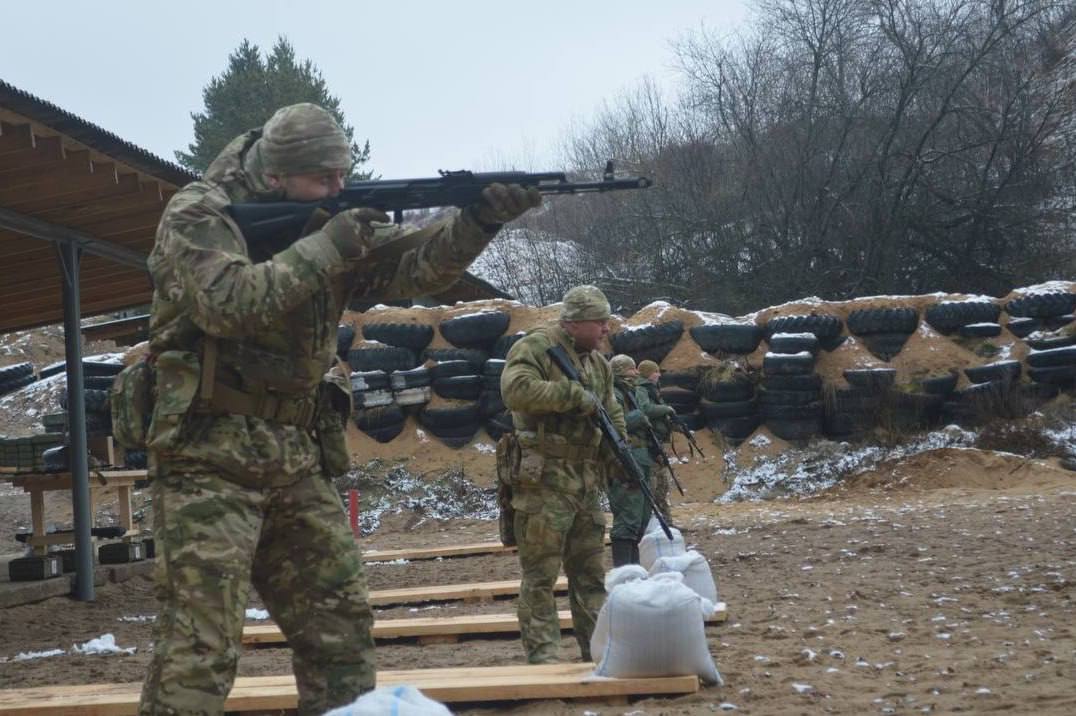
[(554, 462), (631, 509), (247, 426)]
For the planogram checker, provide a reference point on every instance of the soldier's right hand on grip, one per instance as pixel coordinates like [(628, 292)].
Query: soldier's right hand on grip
[(352, 231), (585, 402)]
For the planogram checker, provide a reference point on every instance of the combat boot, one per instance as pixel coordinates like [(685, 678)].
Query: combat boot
[(625, 551)]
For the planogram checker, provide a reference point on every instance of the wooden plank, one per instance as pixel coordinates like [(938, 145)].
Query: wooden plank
[(48, 481), (47, 149), (461, 550), (424, 627), (453, 592), (466, 684)]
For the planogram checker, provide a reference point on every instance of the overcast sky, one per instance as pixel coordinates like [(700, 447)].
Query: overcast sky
[(433, 85)]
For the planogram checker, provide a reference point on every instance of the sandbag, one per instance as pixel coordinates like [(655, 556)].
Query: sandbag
[(696, 571), (653, 627), (655, 544), (623, 575), (399, 700)]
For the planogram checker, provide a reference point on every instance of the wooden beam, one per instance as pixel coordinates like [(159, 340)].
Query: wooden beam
[(15, 137), (56, 188), (75, 164), (468, 625), (454, 685), (460, 550), (48, 149), (453, 592), (127, 184)]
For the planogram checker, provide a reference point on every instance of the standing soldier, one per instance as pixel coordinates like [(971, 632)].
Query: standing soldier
[(631, 509), (246, 429), (554, 468), (660, 420)]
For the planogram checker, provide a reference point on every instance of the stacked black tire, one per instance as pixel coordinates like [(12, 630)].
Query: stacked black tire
[(455, 417), (1045, 311), (15, 377), (97, 379), (376, 412), (385, 366), (651, 342), (790, 396), (466, 380), (681, 391), (969, 319), (724, 340), (883, 330), (728, 404)]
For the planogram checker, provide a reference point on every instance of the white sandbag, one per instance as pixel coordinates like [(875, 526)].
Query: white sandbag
[(621, 575), (401, 700), (696, 571), (656, 544), (653, 627)]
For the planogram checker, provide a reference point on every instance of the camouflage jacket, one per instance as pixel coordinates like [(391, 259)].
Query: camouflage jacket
[(272, 312), (545, 403)]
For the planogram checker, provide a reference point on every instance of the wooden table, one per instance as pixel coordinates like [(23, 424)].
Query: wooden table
[(37, 484)]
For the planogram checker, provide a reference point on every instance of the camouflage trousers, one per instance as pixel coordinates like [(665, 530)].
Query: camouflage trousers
[(631, 510), (214, 539), (554, 528)]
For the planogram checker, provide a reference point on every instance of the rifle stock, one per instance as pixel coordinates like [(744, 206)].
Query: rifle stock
[(615, 440)]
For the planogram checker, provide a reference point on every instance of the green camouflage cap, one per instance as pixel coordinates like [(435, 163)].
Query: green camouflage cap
[(647, 368), (302, 139), (584, 303), (621, 364)]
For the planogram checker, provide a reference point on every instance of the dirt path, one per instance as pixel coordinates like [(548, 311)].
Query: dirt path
[(887, 597)]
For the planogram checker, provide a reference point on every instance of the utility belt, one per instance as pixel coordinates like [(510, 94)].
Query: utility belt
[(284, 409), (215, 397), (556, 449)]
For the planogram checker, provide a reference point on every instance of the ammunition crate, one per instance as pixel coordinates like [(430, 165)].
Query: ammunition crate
[(121, 552), (30, 569)]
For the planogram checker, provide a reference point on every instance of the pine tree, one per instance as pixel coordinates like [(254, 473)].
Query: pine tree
[(247, 93)]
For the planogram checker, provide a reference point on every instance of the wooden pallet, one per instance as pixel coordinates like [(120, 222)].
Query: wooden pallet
[(262, 693), (468, 592), (435, 630)]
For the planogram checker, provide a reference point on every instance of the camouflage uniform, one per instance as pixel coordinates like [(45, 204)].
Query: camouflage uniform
[(243, 437), (663, 430), (556, 487)]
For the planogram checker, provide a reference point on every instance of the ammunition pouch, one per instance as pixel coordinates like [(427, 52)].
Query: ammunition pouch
[(334, 409), (507, 467), (131, 403)]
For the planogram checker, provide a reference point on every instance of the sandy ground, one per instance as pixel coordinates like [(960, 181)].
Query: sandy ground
[(943, 583)]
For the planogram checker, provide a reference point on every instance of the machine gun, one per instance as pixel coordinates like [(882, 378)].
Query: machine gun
[(609, 432), (262, 221)]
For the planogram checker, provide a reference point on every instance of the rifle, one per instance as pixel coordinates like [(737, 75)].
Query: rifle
[(616, 442), (681, 427), (261, 221), (655, 444)]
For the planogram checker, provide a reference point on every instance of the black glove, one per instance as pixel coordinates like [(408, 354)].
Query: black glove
[(501, 203)]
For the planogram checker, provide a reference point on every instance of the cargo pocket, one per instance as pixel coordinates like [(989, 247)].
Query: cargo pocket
[(132, 405), (334, 408), (177, 376)]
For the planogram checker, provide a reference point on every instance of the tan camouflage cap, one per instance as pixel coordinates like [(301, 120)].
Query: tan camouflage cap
[(584, 303), (647, 368), (301, 139), (621, 363)]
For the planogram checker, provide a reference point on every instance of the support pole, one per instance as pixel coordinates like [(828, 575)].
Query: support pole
[(70, 257)]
